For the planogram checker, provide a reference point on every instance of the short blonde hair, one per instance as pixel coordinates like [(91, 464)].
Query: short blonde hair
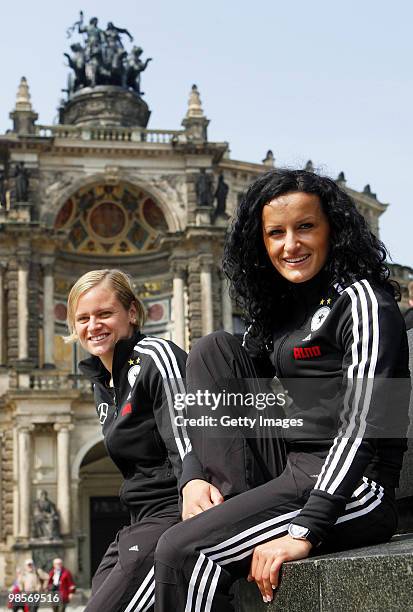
[(121, 285)]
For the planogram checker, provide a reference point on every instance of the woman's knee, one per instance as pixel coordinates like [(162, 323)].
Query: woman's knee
[(169, 549), (177, 544)]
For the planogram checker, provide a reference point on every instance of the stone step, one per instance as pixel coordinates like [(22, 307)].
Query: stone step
[(371, 579)]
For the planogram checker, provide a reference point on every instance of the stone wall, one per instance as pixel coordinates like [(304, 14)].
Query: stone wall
[(35, 282), (12, 331), (6, 494), (194, 301)]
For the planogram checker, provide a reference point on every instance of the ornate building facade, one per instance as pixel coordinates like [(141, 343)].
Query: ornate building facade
[(98, 190)]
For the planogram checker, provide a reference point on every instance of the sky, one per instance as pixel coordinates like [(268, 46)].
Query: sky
[(320, 80)]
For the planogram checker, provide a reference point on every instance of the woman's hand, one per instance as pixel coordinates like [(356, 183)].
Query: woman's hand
[(268, 558), (199, 495)]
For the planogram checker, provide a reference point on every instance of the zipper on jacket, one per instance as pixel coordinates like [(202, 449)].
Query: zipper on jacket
[(115, 401), (280, 347)]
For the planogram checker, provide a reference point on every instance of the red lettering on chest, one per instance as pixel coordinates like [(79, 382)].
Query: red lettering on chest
[(306, 352), (127, 409)]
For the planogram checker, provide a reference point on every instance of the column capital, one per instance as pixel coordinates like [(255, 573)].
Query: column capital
[(61, 427), (179, 266), (23, 261), (206, 262), (25, 428), (47, 263)]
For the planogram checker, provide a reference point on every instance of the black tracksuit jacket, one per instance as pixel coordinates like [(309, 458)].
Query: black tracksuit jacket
[(338, 356), (136, 415), (346, 351)]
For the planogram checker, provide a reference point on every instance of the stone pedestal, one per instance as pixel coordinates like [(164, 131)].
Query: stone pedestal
[(203, 215), (105, 105), (369, 579), (41, 551), (20, 212)]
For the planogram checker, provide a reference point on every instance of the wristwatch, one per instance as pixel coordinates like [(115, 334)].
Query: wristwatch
[(298, 532)]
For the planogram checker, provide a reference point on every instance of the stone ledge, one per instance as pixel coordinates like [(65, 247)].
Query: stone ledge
[(360, 580)]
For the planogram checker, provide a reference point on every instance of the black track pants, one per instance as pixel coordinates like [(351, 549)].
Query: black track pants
[(197, 561), (245, 458), (124, 580)]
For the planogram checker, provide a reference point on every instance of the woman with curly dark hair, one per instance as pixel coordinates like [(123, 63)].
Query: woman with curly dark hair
[(313, 283)]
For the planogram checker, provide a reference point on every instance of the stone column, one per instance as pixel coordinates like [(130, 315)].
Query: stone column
[(179, 273), (63, 475), (226, 304), (206, 294), (23, 307), (24, 479), (48, 312), (3, 326)]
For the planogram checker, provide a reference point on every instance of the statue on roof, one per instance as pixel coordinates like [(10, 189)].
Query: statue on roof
[(102, 58), (95, 37), (134, 68), (77, 62)]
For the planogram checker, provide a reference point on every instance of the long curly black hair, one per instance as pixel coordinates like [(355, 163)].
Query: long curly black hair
[(260, 291)]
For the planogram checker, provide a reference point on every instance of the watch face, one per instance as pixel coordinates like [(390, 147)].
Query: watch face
[(297, 531)]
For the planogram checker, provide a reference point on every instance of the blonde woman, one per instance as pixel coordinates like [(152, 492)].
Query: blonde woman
[(134, 378)]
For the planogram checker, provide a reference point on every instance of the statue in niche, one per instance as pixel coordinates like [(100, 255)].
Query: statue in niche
[(45, 518), (134, 67), (220, 195), (203, 188), (3, 190), (21, 176)]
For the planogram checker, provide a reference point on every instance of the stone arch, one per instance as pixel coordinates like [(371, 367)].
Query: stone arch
[(82, 452), (65, 190)]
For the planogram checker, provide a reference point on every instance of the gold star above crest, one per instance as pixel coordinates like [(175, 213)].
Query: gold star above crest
[(322, 302), (329, 301), (138, 360), (130, 362)]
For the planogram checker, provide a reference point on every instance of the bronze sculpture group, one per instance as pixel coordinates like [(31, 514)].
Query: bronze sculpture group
[(103, 59)]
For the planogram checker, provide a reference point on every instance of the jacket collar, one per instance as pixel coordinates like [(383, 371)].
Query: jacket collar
[(93, 368), (311, 290)]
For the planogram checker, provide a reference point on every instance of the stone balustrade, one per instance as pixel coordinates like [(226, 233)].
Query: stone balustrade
[(110, 134), (45, 380)]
